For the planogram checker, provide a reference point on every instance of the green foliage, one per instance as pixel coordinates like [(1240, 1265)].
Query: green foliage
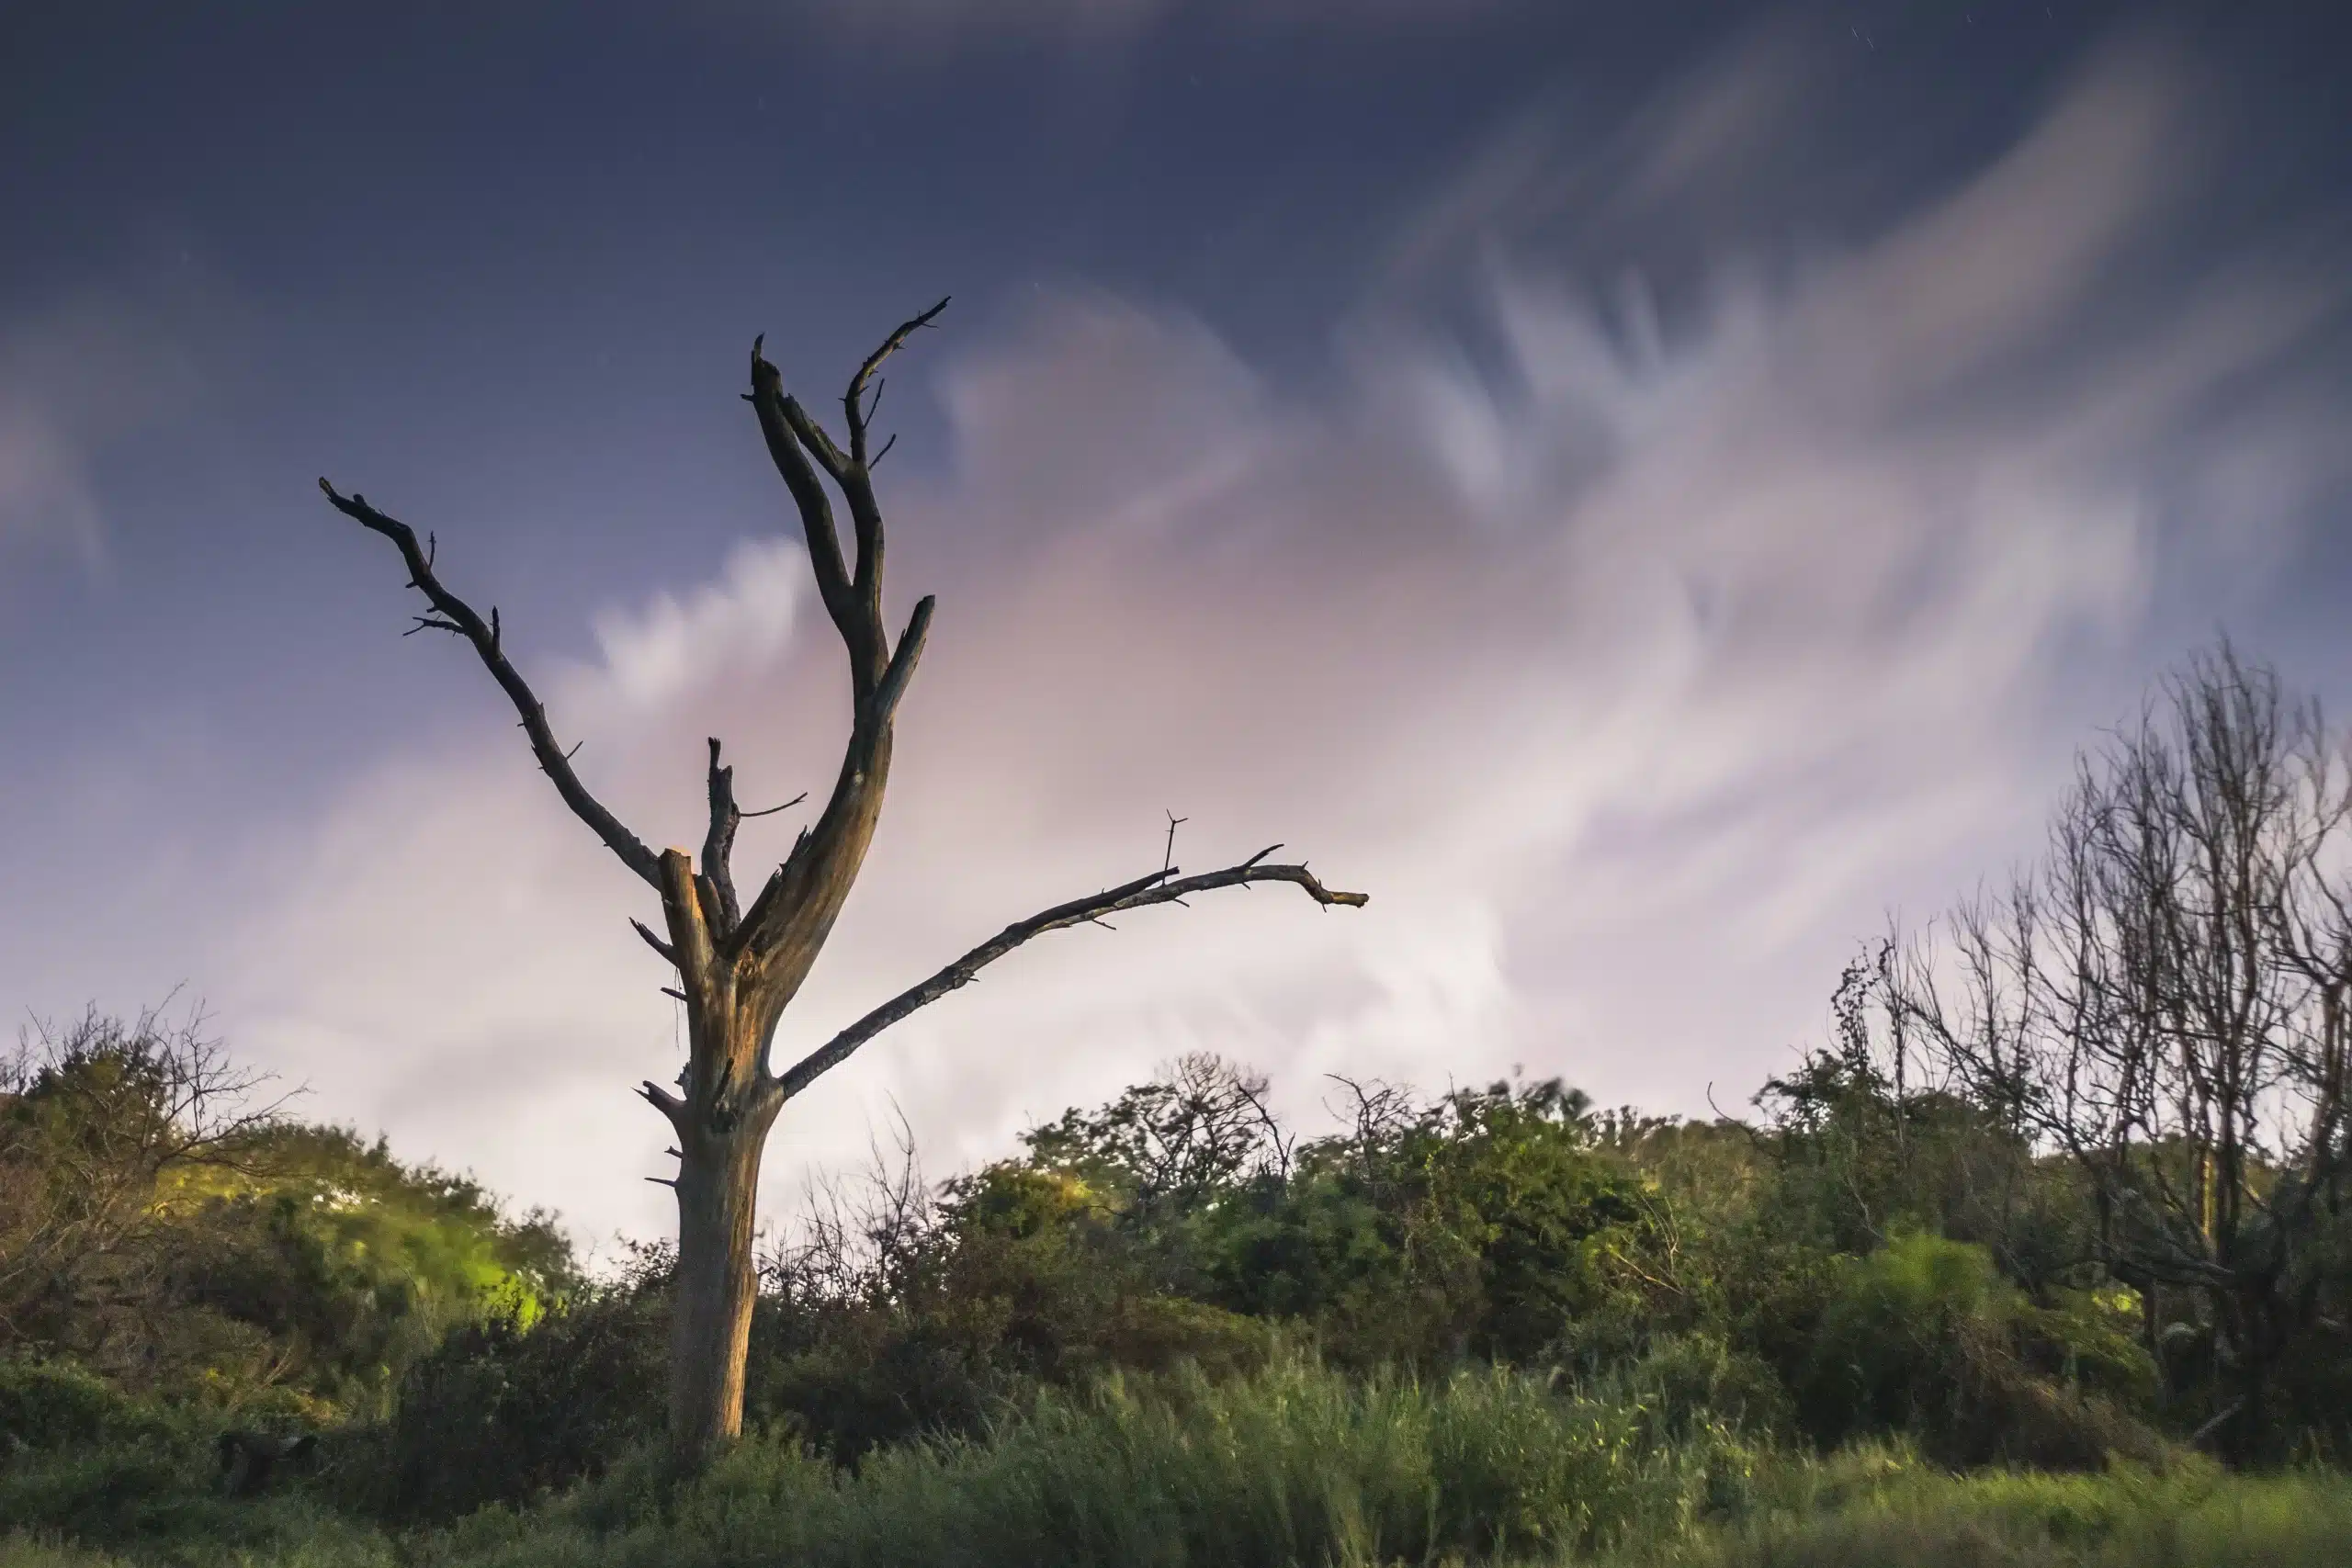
[(1699, 1383), (58, 1404), (1925, 1336), (1179, 1227), (351, 1264), (1901, 1334), (1861, 1152), (1488, 1224), (509, 1406), (1866, 1508), (160, 1230), (141, 1477)]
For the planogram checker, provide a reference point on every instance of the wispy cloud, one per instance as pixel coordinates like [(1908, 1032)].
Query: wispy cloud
[(670, 647), (1633, 670)]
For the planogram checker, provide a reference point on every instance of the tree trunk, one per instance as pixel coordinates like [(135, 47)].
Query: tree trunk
[(711, 1315)]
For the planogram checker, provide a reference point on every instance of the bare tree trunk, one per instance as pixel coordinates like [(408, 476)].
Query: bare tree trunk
[(710, 1321)]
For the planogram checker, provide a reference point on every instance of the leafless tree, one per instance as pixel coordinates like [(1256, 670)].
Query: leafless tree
[(740, 966), (93, 1116), (862, 1242), (2163, 1000)]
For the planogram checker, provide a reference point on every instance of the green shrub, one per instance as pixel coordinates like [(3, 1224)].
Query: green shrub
[(36, 1552), (2089, 1339), (1925, 1336), (1697, 1382), (159, 1498), (48, 1405), (501, 1412)]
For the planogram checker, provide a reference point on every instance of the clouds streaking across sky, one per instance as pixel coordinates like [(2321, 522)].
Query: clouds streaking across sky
[(1644, 491)]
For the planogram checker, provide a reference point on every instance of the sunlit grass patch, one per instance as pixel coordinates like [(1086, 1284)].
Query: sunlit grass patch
[(2190, 1517)]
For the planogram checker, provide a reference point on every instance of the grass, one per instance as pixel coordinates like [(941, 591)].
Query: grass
[(1297, 1465), (2193, 1517)]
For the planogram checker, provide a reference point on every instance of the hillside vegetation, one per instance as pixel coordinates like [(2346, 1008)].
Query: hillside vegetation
[(1489, 1325)]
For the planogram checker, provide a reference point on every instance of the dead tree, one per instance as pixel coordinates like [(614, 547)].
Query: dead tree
[(738, 967), (2166, 1002)]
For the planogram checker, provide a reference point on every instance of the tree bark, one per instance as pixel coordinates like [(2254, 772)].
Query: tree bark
[(737, 983), (710, 1321)]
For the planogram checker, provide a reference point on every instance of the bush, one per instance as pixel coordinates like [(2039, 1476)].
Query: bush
[(501, 1412), (1924, 1337), (57, 1404), (159, 1496), (1691, 1384)]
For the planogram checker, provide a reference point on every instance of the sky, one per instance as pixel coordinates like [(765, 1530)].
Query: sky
[(1649, 493)]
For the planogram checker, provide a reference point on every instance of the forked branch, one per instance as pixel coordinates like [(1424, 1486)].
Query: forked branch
[(792, 438), (452, 614), (661, 1099), (718, 841), (718, 846), (1164, 886), (799, 446)]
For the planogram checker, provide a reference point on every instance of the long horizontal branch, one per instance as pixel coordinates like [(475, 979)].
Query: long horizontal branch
[(452, 614), (1165, 887)]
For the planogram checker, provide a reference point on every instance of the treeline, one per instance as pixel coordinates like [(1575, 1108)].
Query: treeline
[(1805, 1281), (1855, 1263)]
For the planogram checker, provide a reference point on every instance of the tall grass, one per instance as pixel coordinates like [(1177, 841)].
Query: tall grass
[(1297, 1465), (156, 1501), (33, 1551)]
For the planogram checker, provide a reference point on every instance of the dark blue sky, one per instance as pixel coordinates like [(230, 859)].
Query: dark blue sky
[(1931, 355)]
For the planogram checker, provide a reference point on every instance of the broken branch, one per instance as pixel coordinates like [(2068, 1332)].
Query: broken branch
[(718, 845), (661, 1099), (668, 953)]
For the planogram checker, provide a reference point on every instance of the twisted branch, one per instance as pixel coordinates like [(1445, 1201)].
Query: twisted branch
[(452, 614)]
